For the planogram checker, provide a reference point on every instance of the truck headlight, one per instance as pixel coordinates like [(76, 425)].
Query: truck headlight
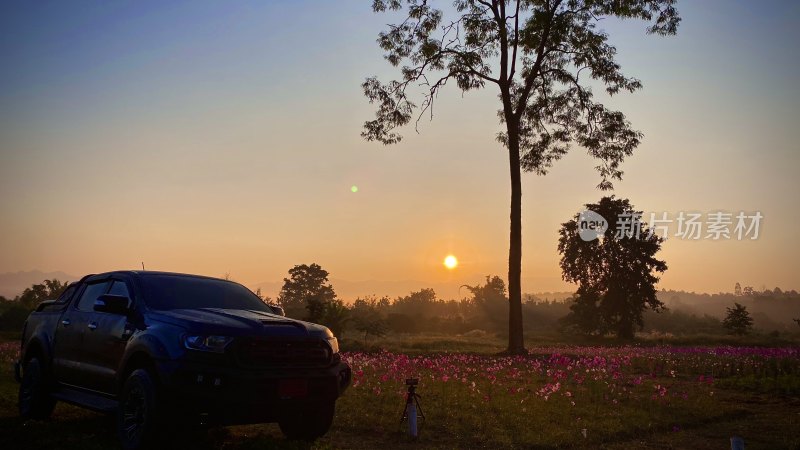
[(214, 344)]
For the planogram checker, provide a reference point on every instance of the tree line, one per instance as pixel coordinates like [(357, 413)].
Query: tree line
[(308, 295), (14, 312)]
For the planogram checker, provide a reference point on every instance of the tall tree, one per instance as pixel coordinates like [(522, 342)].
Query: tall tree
[(615, 268), (737, 320), (541, 55), (306, 293)]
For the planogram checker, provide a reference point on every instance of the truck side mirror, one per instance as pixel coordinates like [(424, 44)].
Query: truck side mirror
[(277, 310), (114, 304)]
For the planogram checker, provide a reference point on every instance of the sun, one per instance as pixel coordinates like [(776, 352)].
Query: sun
[(450, 262)]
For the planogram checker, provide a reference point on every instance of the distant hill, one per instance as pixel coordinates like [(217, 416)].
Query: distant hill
[(13, 283)]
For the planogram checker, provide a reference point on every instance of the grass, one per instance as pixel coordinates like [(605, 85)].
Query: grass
[(750, 396)]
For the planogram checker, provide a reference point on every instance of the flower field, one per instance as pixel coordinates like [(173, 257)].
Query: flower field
[(558, 396), (553, 397)]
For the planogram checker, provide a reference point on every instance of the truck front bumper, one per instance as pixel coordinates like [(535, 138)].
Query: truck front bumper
[(235, 396)]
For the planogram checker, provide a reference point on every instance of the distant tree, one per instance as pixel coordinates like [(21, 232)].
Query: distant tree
[(584, 313), (264, 298), (797, 321), (371, 324), (418, 304), (748, 291), (37, 293), (543, 58), (403, 323), (615, 272), (370, 303), (13, 313), (306, 293), (13, 317), (777, 292), (367, 318), (737, 320), (261, 295), (491, 301), (737, 290), (335, 316)]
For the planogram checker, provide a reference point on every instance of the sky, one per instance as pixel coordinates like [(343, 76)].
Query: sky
[(223, 138)]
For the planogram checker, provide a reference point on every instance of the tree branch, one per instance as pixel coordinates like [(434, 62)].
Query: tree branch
[(540, 54)]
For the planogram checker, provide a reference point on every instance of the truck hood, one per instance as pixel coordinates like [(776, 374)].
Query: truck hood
[(238, 322)]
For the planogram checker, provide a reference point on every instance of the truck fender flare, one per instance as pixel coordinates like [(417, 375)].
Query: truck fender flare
[(37, 345), (144, 345)]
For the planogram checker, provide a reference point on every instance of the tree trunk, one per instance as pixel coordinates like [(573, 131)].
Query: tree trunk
[(516, 343)]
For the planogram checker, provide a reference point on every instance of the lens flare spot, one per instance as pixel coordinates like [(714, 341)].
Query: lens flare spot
[(354, 188)]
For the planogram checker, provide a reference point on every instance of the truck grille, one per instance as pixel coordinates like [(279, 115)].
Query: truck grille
[(262, 353)]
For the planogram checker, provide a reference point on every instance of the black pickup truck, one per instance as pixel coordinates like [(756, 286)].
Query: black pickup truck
[(160, 348)]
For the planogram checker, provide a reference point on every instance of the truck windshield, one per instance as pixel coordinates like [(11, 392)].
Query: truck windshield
[(182, 292)]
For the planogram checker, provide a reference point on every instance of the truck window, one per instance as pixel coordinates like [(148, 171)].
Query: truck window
[(67, 294), (164, 292), (119, 288), (90, 294)]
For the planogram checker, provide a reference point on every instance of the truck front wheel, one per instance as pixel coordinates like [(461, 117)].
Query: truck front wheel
[(35, 401), (309, 423), (137, 418)]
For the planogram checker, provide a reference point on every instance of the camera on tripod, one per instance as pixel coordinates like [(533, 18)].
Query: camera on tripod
[(412, 411)]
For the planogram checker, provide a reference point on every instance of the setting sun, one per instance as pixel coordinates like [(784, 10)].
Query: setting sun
[(450, 262)]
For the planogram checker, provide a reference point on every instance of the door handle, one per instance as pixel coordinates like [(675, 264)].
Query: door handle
[(65, 322), (92, 325)]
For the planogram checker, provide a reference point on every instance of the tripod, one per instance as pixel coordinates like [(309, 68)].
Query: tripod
[(412, 411)]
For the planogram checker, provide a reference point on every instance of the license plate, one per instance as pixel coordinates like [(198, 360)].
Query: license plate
[(292, 388)]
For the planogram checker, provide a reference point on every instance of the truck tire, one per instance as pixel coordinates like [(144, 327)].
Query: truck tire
[(138, 417), (35, 401), (309, 423)]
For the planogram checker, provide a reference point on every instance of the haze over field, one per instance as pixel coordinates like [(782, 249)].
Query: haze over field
[(215, 138)]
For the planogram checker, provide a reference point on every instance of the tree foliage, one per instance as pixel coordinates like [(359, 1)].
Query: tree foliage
[(13, 313), (491, 300), (306, 293), (615, 273), (37, 293), (367, 317), (541, 56), (737, 320), (336, 316)]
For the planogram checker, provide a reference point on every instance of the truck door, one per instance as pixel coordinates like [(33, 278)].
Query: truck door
[(69, 356), (104, 342)]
